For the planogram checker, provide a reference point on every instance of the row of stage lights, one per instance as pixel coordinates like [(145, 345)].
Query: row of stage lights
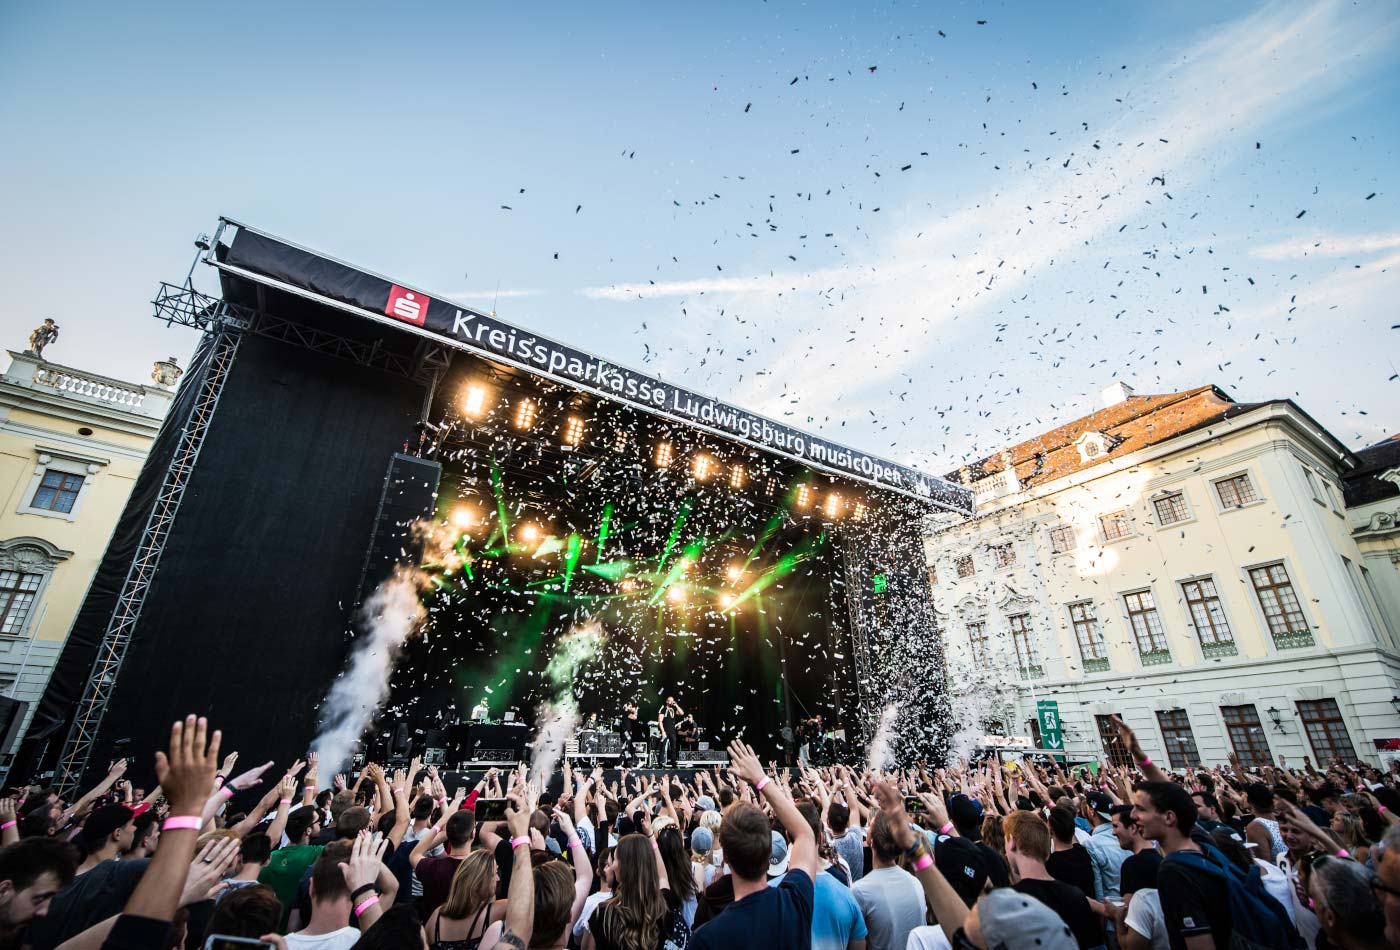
[(703, 466)]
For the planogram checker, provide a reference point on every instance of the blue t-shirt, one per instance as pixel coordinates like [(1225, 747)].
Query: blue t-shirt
[(836, 918), (775, 918)]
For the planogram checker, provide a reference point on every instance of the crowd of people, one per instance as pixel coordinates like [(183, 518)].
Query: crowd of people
[(987, 855)]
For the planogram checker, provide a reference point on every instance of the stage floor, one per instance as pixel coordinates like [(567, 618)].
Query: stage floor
[(456, 778)]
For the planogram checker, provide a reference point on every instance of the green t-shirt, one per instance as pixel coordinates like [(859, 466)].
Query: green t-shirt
[(284, 872)]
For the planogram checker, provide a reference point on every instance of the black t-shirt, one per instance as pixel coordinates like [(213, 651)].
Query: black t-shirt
[(1193, 902), (668, 724), (1073, 866), (1070, 904), (604, 924), (93, 896), (1139, 871), (775, 918)]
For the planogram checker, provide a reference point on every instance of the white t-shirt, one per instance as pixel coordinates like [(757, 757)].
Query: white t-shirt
[(342, 939), (893, 904), (928, 938), (1145, 917), (589, 906)]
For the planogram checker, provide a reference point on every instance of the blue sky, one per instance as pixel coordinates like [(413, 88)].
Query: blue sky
[(1093, 191)]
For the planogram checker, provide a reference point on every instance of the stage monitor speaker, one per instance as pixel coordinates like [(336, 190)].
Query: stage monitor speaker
[(703, 756), (409, 493), (11, 718)]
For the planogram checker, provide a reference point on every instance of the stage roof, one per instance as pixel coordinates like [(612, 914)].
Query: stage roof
[(403, 309)]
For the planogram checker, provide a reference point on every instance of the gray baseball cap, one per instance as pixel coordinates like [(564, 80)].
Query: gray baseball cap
[(1015, 921)]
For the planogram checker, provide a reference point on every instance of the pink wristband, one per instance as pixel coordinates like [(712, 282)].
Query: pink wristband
[(182, 823), (1382, 808), (1145, 762), (9, 824), (517, 842), (226, 791), (762, 782), (946, 829), (923, 862), (310, 786), (654, 845), (1343, 853), (575, 842), (284, 801), (366, 904)]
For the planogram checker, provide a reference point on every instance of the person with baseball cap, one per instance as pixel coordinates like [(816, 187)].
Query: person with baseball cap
[(1105, 851)]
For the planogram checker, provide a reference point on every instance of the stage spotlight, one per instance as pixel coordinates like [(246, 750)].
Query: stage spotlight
[(573, 430), (702, 467), (525, 413), (663, 455), (726, 601), (474, 401), (833, 505), (675, 594), (859, 513), (620, 443), (736, 476), (772, 487), (804, 495), (529, 534), (734, 573), (464, 517)]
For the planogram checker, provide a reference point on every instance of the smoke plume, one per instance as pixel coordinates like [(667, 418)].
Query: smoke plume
[(387, 617), (880, 756), (559, 717)]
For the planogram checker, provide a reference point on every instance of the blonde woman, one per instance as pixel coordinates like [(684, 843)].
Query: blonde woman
[(471, 905), (711, 820), (702, 843), (1347, 827)]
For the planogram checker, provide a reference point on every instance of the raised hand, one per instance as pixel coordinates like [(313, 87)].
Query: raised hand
[(229, 761), (892, 804), (206, 871), (366, 856), (187, 771), (249, 778), (744, 763)]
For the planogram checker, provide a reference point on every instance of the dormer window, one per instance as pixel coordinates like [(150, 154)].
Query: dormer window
[(1092, 446)]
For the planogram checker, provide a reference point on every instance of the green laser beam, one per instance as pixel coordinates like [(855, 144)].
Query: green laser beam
[(571, 555), (604, 526), (675, 533)]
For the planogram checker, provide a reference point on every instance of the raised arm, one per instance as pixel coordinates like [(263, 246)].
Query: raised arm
[(520, 898), (185, 774), (81, 806), (1130, 742), (583, 868), (804, 845), (285, 792)]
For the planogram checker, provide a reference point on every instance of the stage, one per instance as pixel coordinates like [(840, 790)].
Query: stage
[(580, 536)]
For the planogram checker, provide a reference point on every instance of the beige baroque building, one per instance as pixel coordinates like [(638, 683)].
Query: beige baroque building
[(71, 445), (1187, 562)]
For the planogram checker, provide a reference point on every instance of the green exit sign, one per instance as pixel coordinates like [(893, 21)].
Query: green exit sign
[(881, 582)]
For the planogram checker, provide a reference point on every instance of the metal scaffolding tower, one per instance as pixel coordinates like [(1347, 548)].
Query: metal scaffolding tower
[(225, 328)]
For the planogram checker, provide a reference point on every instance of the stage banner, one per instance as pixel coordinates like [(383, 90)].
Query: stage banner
[(270, 260)]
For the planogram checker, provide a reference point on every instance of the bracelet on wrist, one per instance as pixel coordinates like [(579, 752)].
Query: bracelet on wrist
[(362, 889), (9, 824), (284, 801), (1145, 762), (366, 904), (182, 823), (518, 840), (762, 783)]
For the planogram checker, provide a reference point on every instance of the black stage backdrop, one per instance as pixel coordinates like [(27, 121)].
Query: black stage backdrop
[(247, 616)]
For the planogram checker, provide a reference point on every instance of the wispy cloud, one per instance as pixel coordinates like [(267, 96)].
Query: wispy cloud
[(1328, 245), (477, 295)]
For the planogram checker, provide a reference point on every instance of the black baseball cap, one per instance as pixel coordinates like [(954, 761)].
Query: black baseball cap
[(958, 860)]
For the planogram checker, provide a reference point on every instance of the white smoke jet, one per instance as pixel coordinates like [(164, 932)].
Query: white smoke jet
[(556, 723), (880, 756), (389, 615), (559, 717)]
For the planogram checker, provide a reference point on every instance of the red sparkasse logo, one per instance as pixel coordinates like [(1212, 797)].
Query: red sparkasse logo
[(409, 306)]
